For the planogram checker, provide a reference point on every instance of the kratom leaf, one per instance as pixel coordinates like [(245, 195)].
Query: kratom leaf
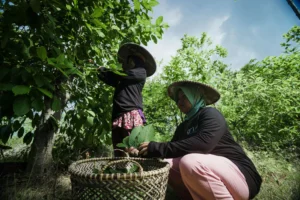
[(97, 12), (39, 81), (20, 89), (133, 136), (96, 171), (137, 5), (42, 53), (159, 20), (154, 39), (126, 141), (46, 92), (91, 113), (90, 121), (21, 105), (100, 33), (138, 135), (133, 168), (153, 3), (37, 104), (121, 145), (147, 134), (69, 7)]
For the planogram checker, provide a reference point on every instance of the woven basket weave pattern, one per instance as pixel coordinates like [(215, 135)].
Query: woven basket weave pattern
[(151, 183)]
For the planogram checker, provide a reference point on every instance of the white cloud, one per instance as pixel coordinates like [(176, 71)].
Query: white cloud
[(241, 56), (164, 49), (215, 30), (191, 24), (167, 47), (172, 15), (170, 42)]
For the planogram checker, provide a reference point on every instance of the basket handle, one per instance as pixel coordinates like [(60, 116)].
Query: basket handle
[(120, 161), (127, 155)]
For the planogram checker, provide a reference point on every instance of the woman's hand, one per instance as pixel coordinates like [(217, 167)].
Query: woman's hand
[(92, 62), (132, 151), (143, 149)]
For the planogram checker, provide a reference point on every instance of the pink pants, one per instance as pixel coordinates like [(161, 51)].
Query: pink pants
[(205, 176)]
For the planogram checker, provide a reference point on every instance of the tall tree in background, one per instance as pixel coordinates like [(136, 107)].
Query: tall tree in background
[(261, 101), (44, 48)]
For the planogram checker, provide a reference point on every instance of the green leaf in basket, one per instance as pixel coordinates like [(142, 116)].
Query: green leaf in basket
[(96, 171), (133, 142), (133, 168), (110, 170), (107, 171)]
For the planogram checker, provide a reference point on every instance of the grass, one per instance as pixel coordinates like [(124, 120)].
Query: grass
[(20, 188), (281, 180)]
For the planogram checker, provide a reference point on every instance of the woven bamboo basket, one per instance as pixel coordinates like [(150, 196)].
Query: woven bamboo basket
[(150, 182)]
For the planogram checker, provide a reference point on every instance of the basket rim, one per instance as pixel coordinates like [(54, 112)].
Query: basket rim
[(75, 174)]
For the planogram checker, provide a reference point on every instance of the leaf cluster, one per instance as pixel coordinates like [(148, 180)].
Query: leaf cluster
[(137, 136)]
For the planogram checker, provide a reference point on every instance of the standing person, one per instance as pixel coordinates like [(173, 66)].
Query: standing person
[(127, 113), (206, 162)]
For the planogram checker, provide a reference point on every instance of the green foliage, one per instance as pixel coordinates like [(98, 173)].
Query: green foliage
[(198, 59), (44, 49), (292, 40), (261, 102), (159, 110), (44, 75), (138, 135), (21, 105), (20, 89)]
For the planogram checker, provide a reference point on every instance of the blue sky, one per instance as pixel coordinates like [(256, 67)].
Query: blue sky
[(246, 28)]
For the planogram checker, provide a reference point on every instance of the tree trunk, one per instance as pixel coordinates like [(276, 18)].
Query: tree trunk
[(40, 157)]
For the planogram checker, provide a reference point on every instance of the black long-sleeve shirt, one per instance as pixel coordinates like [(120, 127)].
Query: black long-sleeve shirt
[(128, 89), (207, 133)]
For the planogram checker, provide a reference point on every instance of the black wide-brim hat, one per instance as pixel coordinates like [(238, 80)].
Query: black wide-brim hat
[(209, 94), (132, 49)]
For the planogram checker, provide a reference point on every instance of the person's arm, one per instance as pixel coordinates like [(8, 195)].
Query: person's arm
[(104, 75), (176, 135), (108, 77), (133, 76), (213, 127)]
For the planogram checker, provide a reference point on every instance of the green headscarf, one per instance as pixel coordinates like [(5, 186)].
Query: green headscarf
[(194, 97)]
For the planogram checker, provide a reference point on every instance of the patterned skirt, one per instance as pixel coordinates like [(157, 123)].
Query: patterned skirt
[(129, 120)]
